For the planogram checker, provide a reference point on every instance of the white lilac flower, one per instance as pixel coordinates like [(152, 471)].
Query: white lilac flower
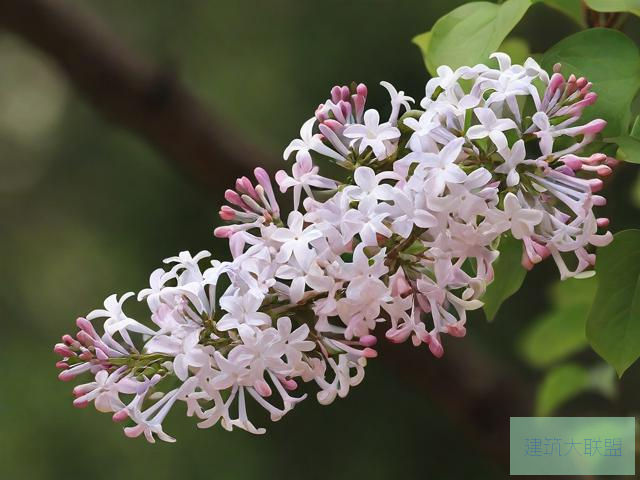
[(409, 210), (445, 79), (242, 310), (491, 126), (391, 245), (442, 168), (523, 220), (398, 99), (309, 141), (372, 134), (117, 320), (295, 238), (424, 138), (512, 159), (305, 175)]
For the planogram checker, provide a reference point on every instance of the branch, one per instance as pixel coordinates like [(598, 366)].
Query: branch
[(468, 385), (130, 91)]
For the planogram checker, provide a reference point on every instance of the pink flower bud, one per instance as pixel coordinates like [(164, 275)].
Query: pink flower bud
[(345, 110), (358, 103), (541, 250), (263, 179), (85, 339), (334, 125), (67, 375), (63, 350), (556, 81), (596, 184), (369, 353), (397, 336), (589, 98), (320, 113), (436, 347), (586, 88), (368, 340), (336, 94), (223, 232), (81, 390), (596, 159), (244, 185), (233, 197), (456, 330), (86, 356), (566, 170), (612, 162), (120, 415), (289, 383), (262, 387), (344, 93), (526, 261), (69, 340), (78, 403), (86, 326), (573, 162), (594, 126), (227, 213)]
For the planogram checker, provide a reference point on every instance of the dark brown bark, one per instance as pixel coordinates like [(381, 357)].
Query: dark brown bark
[(131, 91)]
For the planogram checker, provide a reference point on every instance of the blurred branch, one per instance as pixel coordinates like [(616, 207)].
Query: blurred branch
[(468, 385), (130, 91)]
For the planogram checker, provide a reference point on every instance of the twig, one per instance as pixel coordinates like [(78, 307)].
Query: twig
[(132, 92)]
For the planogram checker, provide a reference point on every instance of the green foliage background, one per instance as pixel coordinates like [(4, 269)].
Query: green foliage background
[(86, 210)]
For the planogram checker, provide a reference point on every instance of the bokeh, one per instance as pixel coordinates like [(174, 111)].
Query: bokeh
[(87, 209)]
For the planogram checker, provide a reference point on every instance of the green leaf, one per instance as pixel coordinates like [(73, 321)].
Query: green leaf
[(470, 33), (571, 8), (628, 148), (508, 277), (613, 325), (632, 6), (516, 48), (608, 59), (422, 41), (560, 332), (635, 129), (560, 385), (602, 379), (565, 382)]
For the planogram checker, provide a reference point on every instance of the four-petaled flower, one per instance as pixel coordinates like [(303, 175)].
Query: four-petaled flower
[(372, 134), (491, 126)]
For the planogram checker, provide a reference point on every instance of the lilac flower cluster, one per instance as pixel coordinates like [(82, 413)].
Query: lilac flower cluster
[(405, 239)]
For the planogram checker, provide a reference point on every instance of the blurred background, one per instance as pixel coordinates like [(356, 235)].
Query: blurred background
[(89, 208)]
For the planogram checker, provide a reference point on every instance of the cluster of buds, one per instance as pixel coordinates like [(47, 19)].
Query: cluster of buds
[(251, 202), (404, 247)]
